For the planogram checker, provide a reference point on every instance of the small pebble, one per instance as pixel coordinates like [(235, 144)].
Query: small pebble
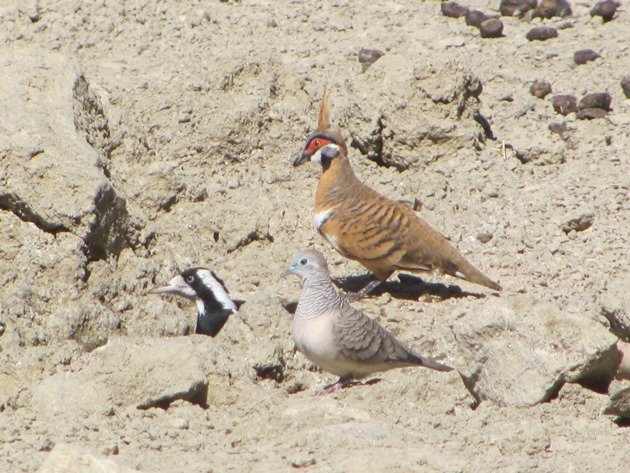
[(303, 462), (584, 55), (595, 100), (591, 113), (110, 449), (475, 18), (180, 423), (564, 104), (541, 33), (625, 85), (417, 204), (540, 89), (560, 129), (295, 387), (491, 28), (47, 445), (453, 9), (516, 7), (606, 9), (35, 151), (367, 57), (578, 221), (484, 237), (551, 8)]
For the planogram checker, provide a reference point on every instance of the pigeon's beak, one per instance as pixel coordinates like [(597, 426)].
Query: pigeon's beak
[(288, 272), (301, 159), (177, 285)]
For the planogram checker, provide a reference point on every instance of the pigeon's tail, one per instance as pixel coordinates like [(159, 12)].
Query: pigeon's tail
[(429, 363)]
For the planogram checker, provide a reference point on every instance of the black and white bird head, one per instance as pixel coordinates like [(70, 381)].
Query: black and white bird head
[(214, 305)]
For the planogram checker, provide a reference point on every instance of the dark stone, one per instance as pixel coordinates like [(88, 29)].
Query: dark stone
[(595, 100), (584, 55), (367, 57), (516, 7), (591, 113), (564, 104), (475, 18), (606, 9), (560, 129), (625, 85), (453, 9), (541, 33), (491, 28), (551, 8), (540, 89), (484, 237)]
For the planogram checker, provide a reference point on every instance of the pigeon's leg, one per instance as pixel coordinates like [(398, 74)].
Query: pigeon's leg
[(363, 292), (331, 388)]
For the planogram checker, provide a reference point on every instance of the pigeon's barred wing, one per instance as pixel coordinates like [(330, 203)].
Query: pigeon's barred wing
[(363, 340)]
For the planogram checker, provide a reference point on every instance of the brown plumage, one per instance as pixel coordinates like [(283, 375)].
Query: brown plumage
[(361, 224)]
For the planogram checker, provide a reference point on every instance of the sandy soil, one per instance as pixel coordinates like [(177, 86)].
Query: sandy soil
[(207, 103)]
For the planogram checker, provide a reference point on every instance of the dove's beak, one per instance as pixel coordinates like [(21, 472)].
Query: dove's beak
[(287, 272), (301, 159)]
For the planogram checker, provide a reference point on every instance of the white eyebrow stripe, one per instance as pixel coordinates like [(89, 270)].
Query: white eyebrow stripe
[(218, 290), (317, 156)]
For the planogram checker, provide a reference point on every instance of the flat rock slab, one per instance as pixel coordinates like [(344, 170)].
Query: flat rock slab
[(66, 458), (53, 141), (443, 102), (615, 306), (519, 352), (619, 404), (127, 372)]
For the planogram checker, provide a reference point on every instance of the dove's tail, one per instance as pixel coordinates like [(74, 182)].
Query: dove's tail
[(429, 363)]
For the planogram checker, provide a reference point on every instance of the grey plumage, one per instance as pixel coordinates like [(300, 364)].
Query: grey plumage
[(336, 336)]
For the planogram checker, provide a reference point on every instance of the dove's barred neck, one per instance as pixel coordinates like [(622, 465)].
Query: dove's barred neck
[(318, 296)]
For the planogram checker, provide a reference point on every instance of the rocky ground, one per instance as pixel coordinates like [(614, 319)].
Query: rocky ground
[(138, 138)]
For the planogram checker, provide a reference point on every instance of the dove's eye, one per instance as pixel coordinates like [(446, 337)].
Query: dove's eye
[(303, 261)]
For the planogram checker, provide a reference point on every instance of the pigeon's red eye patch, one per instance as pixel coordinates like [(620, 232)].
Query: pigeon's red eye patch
[(317, 143)]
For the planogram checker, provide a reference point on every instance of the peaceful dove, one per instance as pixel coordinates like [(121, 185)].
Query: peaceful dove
[(337, 337)]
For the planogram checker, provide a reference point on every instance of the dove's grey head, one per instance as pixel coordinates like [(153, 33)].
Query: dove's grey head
[(306, 264)]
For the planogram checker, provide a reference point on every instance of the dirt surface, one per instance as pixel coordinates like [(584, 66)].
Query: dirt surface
[(194, 112)]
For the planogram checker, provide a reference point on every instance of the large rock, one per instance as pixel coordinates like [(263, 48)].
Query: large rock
[(619, 404), (42, 288), (519, 352), (58, 209), (65, 458), (53, 150), (128, 372), (401, 112), (9, 383), (615, 306)]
